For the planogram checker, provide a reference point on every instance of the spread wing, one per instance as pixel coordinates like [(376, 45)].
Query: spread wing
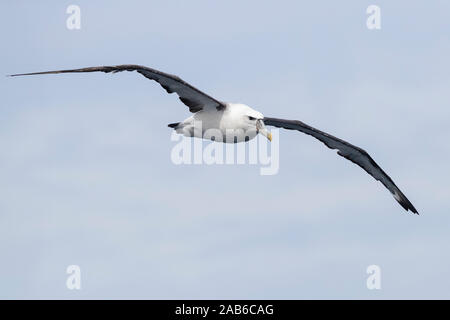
[(189, 95), (348, 151)]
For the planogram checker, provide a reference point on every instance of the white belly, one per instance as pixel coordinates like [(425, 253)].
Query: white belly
[(221, 126)]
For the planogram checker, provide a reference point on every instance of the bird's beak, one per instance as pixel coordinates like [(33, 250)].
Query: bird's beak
[(267, 134), (262, 129)]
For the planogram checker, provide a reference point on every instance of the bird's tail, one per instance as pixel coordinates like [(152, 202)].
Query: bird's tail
[(173, 125)]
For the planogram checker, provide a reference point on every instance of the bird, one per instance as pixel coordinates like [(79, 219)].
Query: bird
[(237, 122)]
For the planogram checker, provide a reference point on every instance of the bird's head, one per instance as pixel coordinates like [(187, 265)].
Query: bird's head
[(254, 120), (261, 128), (258, 123), (247, 119)]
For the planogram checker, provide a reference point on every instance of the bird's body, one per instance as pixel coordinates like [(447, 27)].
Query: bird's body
[(235, 122), (231, 125)]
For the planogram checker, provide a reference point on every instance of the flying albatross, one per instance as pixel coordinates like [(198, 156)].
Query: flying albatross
[(244, 122)]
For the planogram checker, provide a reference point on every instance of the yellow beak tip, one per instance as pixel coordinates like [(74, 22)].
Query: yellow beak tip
[(269, 136)]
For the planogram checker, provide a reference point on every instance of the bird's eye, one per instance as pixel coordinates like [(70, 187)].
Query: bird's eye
[(251, 118)]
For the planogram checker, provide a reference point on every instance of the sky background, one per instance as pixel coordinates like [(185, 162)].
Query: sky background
[(86, 176)]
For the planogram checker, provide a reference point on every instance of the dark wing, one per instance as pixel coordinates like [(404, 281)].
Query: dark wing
[(189, 95), (348, 151)]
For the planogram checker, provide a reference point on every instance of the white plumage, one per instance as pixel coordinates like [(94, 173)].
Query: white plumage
[(235, 123)]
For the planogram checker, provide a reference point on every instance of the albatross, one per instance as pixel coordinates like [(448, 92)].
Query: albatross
[(238, 122)]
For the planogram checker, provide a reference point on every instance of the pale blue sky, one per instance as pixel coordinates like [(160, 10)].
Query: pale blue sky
[(86, 176)]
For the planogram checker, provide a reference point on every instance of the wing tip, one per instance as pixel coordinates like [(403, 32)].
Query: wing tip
[(404, 202), (412, 209), (28, 74)]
